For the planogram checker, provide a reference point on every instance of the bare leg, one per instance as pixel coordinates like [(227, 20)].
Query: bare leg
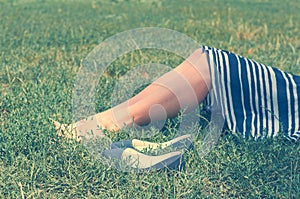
[(183, 87)]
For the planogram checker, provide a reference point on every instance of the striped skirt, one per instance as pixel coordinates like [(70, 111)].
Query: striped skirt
[(255, 100)]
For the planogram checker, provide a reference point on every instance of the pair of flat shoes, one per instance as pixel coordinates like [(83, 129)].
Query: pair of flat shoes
[(127, 154)]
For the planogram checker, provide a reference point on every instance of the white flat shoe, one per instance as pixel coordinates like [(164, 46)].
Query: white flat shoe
[(133, 160), (178, 143)]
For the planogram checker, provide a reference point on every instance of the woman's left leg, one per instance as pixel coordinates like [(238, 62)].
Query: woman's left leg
[(182, 88)]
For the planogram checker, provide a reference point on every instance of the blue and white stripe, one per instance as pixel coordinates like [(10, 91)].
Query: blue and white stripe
[(256, 100)]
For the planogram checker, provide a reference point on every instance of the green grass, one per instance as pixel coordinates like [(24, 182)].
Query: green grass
[(41, 48)]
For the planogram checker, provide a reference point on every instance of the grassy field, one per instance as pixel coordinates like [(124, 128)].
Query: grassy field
[(41, 48)]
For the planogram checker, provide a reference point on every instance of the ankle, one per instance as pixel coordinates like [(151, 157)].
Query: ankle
[(113, 121)]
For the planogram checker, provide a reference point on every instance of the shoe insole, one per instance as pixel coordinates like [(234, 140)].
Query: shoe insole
[(141, 145)]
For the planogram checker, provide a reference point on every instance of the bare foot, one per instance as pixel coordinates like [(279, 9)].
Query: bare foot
[(92, 126), (83, 128)]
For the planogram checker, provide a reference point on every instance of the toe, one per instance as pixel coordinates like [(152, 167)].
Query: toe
[(57, 125)]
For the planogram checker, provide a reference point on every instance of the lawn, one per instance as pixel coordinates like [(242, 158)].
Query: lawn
[(42, 46)]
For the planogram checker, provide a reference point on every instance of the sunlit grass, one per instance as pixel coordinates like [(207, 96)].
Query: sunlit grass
[(41, 48)]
